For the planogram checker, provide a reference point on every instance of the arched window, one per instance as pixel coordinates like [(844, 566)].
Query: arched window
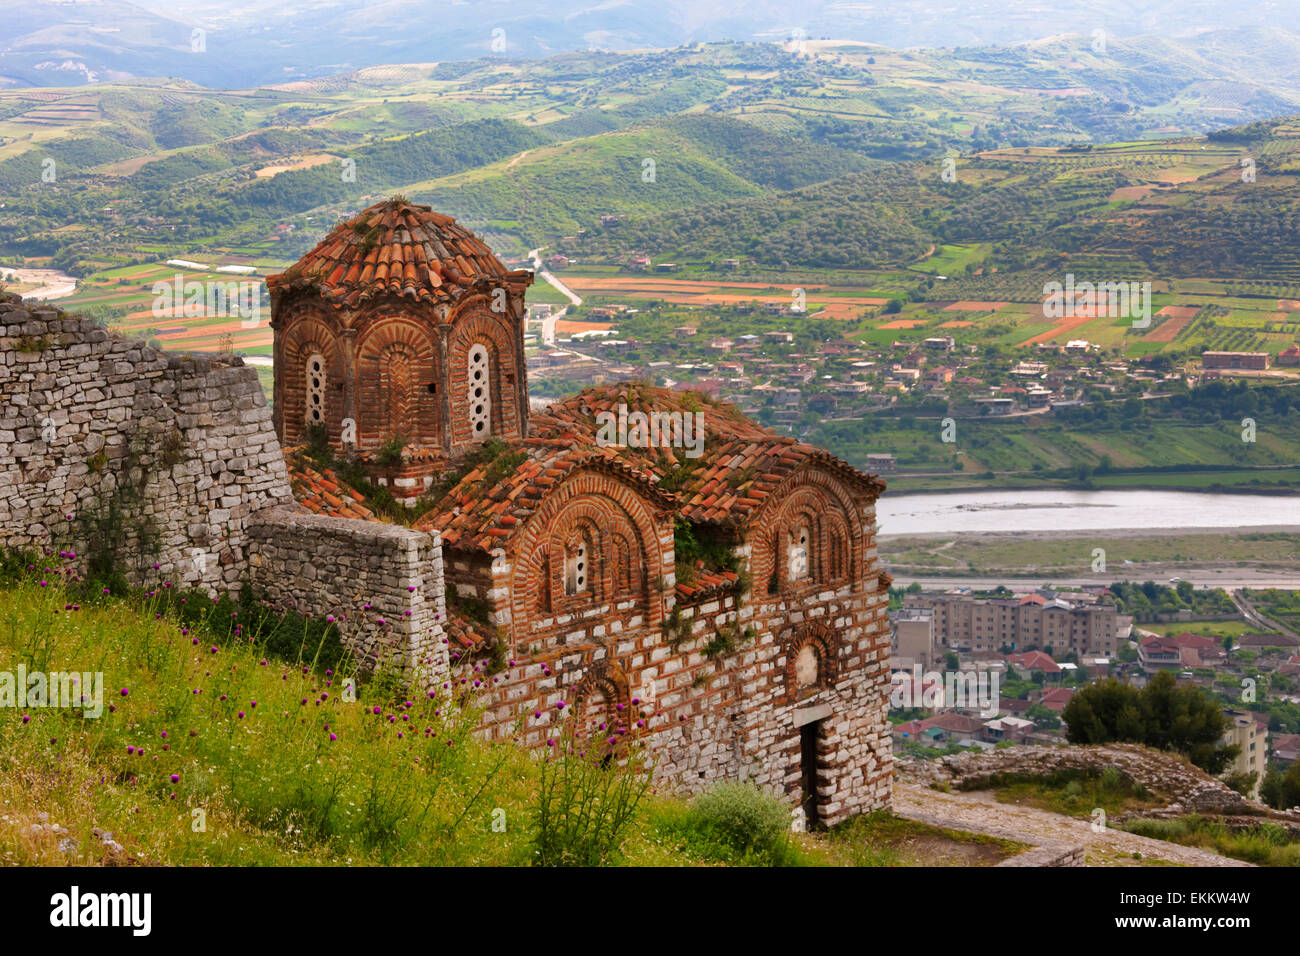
[(544, 588), (480, 397), (576, 568), (316, 389), (807, 667), (799, 554)]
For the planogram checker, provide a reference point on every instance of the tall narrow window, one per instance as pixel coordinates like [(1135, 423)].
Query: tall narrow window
[(575, 570), (799, 554), (316, 389), (480, 398)]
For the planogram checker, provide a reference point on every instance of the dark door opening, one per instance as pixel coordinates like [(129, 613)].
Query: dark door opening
[(808, 735)]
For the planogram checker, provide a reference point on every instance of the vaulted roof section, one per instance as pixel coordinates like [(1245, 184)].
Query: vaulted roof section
[(741, 464)]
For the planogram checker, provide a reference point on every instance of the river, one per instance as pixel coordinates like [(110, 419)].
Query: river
[(53, 284), (1069, 511)]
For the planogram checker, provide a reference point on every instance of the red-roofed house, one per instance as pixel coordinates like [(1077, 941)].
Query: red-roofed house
[(1056, 698), (1159, 653), (1034, 661), (1286, 748)]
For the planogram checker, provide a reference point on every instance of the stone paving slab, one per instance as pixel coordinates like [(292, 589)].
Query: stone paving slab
[(979, 812)]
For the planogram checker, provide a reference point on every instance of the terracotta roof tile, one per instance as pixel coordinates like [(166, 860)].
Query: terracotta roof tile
[(324, 493), (377, 251), (726, 485)]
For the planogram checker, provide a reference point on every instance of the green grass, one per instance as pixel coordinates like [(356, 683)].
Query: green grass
[(1075, 793), (1040, 554), (883, 839), (283, 770), (1266, 844)]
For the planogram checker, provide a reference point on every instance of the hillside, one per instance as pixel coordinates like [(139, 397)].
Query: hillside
[(228, 736), (141, 162)]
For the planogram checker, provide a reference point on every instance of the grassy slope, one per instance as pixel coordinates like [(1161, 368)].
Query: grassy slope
[(248, 737)]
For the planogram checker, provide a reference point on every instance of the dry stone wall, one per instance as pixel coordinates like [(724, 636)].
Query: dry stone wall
[(102, 435), (382, 584), (167, 467)]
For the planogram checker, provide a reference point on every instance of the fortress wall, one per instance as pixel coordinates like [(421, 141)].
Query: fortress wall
[(104, 439), (382, 583)]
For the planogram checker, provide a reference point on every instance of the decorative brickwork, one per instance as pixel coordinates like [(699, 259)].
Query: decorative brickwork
[(768, 664), (396, 300)]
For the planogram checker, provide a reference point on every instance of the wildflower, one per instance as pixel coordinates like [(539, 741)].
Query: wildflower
[(176, 778)]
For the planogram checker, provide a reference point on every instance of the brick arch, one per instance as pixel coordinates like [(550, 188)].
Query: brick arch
[(835, 545), (472, 326), (824, 641), (308, 331), (597, 699), (612, 507), (820, 499), (396, 364)]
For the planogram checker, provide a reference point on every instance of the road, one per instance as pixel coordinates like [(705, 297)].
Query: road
[(1252, 615), (549, 323)]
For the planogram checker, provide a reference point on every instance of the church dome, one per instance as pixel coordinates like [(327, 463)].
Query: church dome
[(397, 248)]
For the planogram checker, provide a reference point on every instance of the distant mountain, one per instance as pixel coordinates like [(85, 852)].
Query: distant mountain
[(55, 42)]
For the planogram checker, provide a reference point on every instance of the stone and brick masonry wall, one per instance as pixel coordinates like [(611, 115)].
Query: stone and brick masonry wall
[(184, 446), (382, 583), (738, 715)]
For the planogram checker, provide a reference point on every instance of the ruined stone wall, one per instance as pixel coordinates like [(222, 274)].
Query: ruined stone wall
[(382, 583), (98, 430)]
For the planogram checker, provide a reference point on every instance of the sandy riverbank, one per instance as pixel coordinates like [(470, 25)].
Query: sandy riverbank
[(978, 536)]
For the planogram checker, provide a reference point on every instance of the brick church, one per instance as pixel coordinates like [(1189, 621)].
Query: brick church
[(725, 603)]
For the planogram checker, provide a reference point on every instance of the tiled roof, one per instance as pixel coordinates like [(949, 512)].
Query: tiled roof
[(324, 493), (741, 462), (740, 465), (463, 635), (477, 516), (1035, 660), (706, 585), (398, 248)]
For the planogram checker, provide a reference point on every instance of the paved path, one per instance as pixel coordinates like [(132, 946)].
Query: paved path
[(979, 811)]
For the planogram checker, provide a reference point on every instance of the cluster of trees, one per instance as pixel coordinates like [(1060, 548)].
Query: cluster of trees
[(855, 221), (1148, 599), (1185, 720)]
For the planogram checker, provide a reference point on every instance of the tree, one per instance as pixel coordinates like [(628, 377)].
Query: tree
[(951, 661), (1163, 715), (1044, 718), (1281, 791), (1242, 781)]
